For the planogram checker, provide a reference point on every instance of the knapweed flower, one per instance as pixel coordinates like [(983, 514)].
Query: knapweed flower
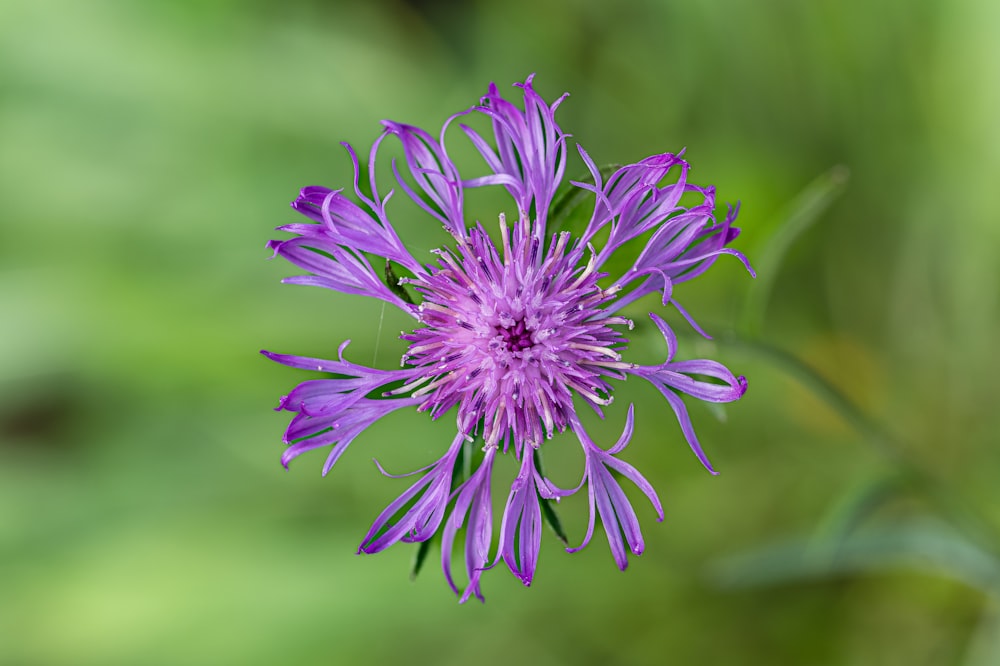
[(510, 334)]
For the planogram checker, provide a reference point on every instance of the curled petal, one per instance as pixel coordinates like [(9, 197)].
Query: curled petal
[(333, 267), (709, 245), (684, 242), (334, 411), (429, 497), (603, 208), (668, 336), (673, 377), (671, 240), (687, 427), (344, 223), (531, 148), (475, 501), (522, 522), (338, 428), (690, 320), (638, 201), (339, 367), (732, 389), (434, 173), (607, 499)]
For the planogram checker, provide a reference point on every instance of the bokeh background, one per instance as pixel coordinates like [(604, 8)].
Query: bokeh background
[(147, 150)]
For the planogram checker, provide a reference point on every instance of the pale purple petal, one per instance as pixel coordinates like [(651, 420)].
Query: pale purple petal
[(342, 222), (306, 433)]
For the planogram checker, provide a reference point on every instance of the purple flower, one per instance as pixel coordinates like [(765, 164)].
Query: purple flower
[(508, 334)]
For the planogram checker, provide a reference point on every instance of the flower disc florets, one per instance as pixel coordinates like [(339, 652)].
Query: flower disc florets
[(507, 333)]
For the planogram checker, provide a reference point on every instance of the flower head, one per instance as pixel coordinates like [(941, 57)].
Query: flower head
[(507, 333)]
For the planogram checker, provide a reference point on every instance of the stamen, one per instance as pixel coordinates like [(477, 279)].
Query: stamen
[(484, 266), (589, 395), (420, 349), (505, 237), (594, 348), (437, 307), (615, 365), (443, 379), (591, 264), (406, 388)]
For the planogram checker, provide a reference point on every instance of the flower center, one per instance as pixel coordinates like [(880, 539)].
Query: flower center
[(510, 335), (517, 337)]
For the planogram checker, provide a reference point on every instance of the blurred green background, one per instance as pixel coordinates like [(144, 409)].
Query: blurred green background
[(147, 150)]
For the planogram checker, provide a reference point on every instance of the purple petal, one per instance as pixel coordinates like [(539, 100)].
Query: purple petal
[(687, 427), (531, 148), (633, 475), (306, 433), (335, 268), (422, 519), (668, 335), (434, 173), (475, 501), (522, 522), (602, 483), (608, 499)]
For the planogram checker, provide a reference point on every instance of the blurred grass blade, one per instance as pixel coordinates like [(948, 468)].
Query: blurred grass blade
[(967, 515), (984, 644), (798, 216), (822, 389), (924, 545), (718, 410), (850, 510)]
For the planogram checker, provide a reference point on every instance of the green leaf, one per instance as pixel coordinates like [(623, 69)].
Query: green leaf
[(548, 506), (552, 518), (392, 281), (797, 217), (423, 548)]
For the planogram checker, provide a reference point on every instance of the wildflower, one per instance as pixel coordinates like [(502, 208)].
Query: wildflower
[(506, 333)]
